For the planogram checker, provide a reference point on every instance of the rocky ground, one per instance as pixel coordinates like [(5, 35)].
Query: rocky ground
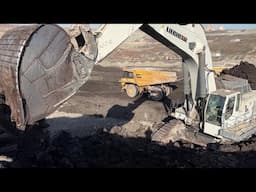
[(101, 127), (112, 150)]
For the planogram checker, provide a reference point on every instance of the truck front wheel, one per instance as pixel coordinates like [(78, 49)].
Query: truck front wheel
[(132, 90)]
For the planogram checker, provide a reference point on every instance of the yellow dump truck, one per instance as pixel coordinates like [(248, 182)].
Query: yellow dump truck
[(219, 69), (154, 81)]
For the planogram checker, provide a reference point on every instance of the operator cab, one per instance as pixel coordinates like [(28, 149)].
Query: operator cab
[(221, 105)]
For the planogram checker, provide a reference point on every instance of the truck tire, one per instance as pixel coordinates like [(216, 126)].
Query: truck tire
[(167, 90), (156, 94), (132, 90)]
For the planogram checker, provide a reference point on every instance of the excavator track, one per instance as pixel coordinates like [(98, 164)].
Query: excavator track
[(163, 131), (175, 130)]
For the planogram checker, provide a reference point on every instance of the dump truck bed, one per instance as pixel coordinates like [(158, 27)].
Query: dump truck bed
[(152, 76)]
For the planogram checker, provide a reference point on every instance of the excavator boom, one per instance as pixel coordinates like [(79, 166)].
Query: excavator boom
[(188, 41)]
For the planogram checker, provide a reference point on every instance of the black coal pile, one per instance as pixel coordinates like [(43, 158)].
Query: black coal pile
[(109, 150), (244, 70)]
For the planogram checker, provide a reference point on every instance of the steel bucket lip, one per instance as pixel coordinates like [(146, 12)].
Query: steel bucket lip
[(19, 37), (18, 43)]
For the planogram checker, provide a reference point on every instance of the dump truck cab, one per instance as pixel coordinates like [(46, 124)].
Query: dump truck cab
[(127, 77)]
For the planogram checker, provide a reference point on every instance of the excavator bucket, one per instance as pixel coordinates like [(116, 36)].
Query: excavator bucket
[(40, 69)]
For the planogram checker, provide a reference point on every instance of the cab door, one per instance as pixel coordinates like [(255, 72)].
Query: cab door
[(229, 111), (214, 115)]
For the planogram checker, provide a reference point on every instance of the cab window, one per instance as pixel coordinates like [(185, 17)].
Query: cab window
[(238, 102), (127, 74), (230, 108), (214, 109)]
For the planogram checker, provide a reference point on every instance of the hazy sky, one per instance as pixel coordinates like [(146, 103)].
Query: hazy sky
[(238, 26), (226, 26)]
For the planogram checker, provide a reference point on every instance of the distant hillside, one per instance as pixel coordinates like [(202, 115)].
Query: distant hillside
[(227, 47), (233, 46)]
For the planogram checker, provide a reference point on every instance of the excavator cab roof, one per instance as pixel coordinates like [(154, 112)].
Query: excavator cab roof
[(224, 92)]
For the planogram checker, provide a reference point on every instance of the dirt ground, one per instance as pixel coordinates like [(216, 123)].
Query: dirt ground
[(101, 104), (101, 127)]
